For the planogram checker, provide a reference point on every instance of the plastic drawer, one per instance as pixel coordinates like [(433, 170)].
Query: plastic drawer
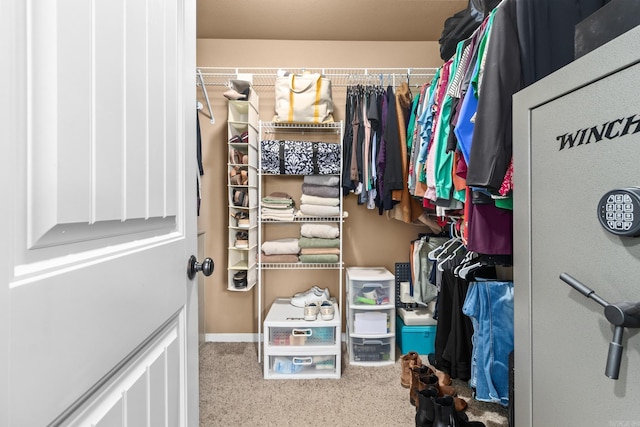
[(371, 293), (303, 366), (371, 349), (305, 336), (372, 322)]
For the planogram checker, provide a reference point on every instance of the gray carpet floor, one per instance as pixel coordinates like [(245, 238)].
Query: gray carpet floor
[(234, 393)]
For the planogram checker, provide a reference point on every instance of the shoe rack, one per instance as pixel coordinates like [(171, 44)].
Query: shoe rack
[(242, 189)]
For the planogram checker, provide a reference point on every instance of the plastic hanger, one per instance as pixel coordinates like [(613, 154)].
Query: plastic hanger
[(467, 260), (450, 257), (432, 255), (464, 271)]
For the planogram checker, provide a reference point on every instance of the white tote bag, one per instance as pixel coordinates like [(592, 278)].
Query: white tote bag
[(303, 98)]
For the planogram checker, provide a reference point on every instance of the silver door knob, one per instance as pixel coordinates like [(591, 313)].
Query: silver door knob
[(193, 266)]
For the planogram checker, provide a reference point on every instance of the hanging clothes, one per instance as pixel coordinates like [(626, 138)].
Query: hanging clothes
[(489, 303), (407, 208)]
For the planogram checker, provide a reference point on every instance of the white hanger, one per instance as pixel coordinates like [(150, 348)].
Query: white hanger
[(450, 257), (464, 271), (467, 258)]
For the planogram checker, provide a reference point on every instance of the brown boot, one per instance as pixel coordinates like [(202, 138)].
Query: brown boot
[(443, 377), (407, 362), (431, 380), (417, 383)]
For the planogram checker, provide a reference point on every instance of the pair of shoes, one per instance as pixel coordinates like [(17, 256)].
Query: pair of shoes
[(240, 279), (435, 410), (242, 239), (421, 378), (235, 139), (239, 176), (237, 157), (242, 219), (315, 294), (240, 198), (325, 309)]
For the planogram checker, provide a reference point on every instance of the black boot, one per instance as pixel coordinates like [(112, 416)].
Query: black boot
[(446, 415), (424, 414)]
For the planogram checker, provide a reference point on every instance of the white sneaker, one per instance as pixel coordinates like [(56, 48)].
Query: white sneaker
[(314, 288), (311, 311), (312, 295), (327, 311)]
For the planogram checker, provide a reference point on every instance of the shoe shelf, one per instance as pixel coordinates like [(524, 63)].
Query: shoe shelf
[(242, 191), (295, 348), (330, 133), (370, 314)]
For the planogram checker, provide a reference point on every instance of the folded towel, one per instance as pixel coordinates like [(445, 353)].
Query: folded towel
[(276, 207), (272, 202), (319, 210), (281, 246), (326, 231), (277, 216), (278, 195), (320, 190), (328, 180), (319, 259), (284, 258), (315, 200), (320, 251), (317, 242)]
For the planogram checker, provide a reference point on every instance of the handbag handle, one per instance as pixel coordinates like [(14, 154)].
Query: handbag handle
[(311, 83)]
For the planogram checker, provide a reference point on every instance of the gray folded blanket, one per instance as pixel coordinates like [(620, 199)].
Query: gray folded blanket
[(320, 190), (327, 180), (317, 242)]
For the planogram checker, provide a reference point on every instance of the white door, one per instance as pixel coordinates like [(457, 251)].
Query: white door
[(98, 321)]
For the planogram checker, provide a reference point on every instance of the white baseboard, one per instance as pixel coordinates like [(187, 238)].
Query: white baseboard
[(244, 337)]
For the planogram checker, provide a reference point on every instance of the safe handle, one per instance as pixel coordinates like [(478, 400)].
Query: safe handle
[(620, 315)]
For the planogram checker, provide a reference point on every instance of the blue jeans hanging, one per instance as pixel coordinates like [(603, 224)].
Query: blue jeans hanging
[(489, 304)]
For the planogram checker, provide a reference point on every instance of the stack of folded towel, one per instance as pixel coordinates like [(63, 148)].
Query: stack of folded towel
[(277, 206), (320, 196), (319, 243), (280, 251)]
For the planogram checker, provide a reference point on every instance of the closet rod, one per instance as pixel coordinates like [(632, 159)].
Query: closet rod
[(206, 96), (340, 77)]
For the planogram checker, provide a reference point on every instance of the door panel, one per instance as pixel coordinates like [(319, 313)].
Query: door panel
[(584, 140), (98, 316)]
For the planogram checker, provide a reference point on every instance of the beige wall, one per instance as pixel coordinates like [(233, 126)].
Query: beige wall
[(369, 239)]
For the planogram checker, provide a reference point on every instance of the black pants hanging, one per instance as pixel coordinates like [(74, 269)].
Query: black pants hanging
[(454, 331)]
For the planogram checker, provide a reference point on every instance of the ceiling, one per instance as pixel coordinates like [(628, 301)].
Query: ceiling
[(349, 20)]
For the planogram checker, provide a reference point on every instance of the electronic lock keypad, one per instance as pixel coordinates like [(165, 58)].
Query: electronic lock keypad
[(619, 211)]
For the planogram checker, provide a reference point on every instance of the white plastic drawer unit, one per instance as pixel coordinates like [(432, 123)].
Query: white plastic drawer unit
[(371, 287), (295, 348), (371, 349), (302, 336), (302, 366)]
